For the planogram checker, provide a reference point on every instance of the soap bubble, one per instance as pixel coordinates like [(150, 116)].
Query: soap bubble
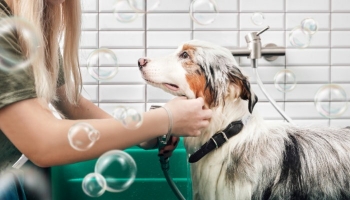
[(299, 37), (285, 80), (133, 119), (13, 28), (331, 101), (258, 18), (118, 168), (119, 11), (129, 117), (203, 12), (94, 185), (102, 64), (82, 136), (310, 25), (119, 113)]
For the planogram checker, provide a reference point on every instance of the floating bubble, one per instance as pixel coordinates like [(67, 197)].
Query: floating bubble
[(331, 101), (133, 119), (13, 29), (258, 18), (203, 12), (299, 37), (118, 168), (310, 25), (119, 113), (94, 185), (285, 80), (82, 136), (102, 64), (124, 12)]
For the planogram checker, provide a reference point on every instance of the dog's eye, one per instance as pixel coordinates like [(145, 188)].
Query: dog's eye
[(184, 55)]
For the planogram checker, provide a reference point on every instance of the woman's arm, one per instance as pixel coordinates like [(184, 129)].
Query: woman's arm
[(43, 138)]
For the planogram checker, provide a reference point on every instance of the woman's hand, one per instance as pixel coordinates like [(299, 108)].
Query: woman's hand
[(189, 117)]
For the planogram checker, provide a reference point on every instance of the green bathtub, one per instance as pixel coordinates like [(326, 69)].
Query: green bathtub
[(149, 184)]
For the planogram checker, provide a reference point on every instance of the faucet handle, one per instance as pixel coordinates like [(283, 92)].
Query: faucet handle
[(265, 29)]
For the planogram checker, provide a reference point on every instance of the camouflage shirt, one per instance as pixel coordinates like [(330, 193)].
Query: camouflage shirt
[(14, 87)]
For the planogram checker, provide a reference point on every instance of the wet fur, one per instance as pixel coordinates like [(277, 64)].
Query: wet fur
[(265, 160)]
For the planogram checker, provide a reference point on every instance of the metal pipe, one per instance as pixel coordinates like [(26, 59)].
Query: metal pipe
[(265, 51)]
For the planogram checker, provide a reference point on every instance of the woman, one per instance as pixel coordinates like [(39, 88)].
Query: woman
[(27, 123)]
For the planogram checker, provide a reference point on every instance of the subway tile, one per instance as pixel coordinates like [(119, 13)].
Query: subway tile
[(307, 5), (266, 73), (128, 57), (110, 107), (223, 21), (157, 95), (302, 110), (89, 39), (261, 6), (271, 91), (168, 21), (122, 93), (122, 39), (275, 37), (315, 57), (322, 19), (339, 21), (86, 77), (108, 21), (274, 20), (226, 39), (340, 74), (84, 56), (152, 53), (321, 39), (340, 5), (168, 6), (90, 92), (89, 22), (267, 111), (122, 6), (341, 123), (126, 75), (227, 5), (89, 5), (312, 123), (340, 56), (340, 39), (310, 74), (167, 39), (303, 92)]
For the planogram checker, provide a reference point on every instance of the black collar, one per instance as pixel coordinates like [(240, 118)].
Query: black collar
[(217, 140)]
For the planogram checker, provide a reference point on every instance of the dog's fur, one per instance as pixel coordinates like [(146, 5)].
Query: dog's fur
[(265, 160)]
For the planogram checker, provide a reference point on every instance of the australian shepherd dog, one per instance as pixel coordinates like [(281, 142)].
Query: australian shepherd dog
[(239, 155)]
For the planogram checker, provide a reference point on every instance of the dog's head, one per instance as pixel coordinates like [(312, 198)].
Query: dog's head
[(199, 69)]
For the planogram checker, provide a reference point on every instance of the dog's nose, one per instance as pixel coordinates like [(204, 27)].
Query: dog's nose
[(142, 62)]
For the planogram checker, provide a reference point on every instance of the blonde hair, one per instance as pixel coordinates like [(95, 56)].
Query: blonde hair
[(54, 22)]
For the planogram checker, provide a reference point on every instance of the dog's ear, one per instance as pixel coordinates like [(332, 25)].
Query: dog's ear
[(248, 94)]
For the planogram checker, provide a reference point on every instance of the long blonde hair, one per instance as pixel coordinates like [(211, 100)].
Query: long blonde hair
[(54, 22)]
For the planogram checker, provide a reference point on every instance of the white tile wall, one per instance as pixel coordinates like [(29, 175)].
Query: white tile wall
[(159, 31)]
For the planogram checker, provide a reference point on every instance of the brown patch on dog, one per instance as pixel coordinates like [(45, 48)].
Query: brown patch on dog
[(189, 63), (197, 84)]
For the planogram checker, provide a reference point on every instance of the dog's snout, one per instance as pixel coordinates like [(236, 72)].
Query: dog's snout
[(142, 62)]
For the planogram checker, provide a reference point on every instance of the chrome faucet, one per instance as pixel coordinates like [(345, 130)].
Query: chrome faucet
[(254, 49)]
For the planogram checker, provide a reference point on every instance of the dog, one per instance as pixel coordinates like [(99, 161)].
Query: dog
[(239, 155)]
